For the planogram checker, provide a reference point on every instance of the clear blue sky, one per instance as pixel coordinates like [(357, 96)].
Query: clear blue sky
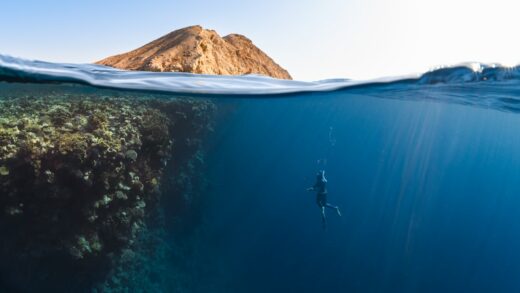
[(312, 39)]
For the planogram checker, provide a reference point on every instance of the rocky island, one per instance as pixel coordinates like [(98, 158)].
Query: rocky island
[(198, 50)]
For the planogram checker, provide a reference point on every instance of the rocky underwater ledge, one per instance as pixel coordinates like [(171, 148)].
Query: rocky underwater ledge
[(82, 173)]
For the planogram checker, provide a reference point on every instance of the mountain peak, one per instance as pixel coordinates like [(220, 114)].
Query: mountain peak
[(198, 50)]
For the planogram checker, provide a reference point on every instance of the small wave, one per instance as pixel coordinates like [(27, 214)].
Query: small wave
[(21, 70), (470, 72)]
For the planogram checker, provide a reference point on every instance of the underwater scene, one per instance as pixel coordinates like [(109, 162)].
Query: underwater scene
[(117, 181)]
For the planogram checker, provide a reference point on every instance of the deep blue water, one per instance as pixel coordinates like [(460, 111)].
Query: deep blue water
[(427, 178), (428, 190)]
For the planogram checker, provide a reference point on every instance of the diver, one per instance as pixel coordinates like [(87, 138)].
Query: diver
[(320, 187)]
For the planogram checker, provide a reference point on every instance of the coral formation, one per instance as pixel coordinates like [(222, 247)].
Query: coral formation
[(80, 174)]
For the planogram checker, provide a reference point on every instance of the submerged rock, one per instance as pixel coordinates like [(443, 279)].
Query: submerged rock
[(80, 174)]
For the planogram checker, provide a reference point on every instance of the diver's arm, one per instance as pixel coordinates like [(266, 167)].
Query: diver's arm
[(313, 188)]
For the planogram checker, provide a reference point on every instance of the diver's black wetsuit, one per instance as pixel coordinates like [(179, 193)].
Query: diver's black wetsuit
[(321, 195)]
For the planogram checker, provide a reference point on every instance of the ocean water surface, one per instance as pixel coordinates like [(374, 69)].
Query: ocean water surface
[(425, 170)]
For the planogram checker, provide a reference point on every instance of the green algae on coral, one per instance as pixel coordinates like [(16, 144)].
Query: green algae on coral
[(4, 171)]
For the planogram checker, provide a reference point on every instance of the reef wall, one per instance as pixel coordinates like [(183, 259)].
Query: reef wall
[(81, 175)]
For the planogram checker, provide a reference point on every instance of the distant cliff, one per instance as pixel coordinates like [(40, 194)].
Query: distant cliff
[(198, 50)]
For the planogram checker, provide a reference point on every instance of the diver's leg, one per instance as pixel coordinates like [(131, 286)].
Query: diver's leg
[(333, 207), (323, 218)]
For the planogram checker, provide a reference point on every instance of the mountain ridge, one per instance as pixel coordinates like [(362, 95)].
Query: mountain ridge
[(198, 50)]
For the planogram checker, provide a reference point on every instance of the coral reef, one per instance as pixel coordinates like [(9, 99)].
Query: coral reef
[(81, 174)]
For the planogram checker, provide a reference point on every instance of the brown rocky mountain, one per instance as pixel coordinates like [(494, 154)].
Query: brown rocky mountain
[(198, 50)]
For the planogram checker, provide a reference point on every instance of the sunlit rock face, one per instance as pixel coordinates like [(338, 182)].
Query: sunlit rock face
[(198, 50), (80, 175)]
